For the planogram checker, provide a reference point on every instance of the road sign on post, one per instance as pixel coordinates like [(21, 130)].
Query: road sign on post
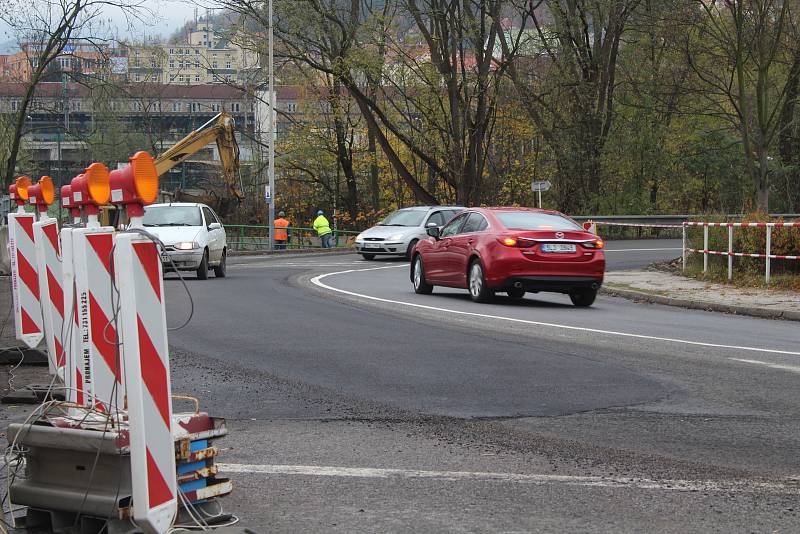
[(539, 186)]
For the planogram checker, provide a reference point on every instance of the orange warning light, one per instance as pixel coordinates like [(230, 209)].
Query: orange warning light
[(136, 184), (97, 183), (43, 193), (19, 190), (91, 189)]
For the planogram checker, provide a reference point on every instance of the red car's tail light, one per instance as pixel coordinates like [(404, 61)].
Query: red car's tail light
[(508, 241), (597, 243)]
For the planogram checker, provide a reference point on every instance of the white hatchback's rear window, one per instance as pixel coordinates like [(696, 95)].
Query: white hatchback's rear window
[(526, 220)]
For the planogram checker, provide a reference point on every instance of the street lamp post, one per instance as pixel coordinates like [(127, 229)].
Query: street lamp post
[(271, 128)]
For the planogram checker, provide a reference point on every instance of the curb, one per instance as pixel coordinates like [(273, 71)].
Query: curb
[(762, 313)]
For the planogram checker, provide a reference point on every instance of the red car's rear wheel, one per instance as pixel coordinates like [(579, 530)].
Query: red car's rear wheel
[(583, 297)]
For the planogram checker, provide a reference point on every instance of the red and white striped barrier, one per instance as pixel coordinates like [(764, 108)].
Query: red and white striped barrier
[(635, 225), (101, 356), (742, 254), (25, 279), (144, 321), (48, 252), (73, 376), (72, 342), (48, 266), (795, 224), (105, 320), (767, 256), (140, 279)]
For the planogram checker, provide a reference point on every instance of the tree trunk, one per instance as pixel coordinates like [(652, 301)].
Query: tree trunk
[(420, 193), (762, 190), (345, 157), (374, 181), (788, 146)]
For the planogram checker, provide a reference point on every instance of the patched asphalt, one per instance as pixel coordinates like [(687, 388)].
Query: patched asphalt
[(308, 378)]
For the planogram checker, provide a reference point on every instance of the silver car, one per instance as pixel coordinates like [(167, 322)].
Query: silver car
[(399, 232)]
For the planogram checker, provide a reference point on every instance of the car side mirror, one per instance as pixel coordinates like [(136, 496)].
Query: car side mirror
[(215, 226), (431, 225), (433, 231)]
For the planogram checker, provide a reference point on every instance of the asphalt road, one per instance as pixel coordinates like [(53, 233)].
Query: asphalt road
[(356, 405)]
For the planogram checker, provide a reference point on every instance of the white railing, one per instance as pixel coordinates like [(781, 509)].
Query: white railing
[(730, 253)]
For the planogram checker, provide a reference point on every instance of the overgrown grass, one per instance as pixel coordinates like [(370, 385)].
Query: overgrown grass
[(742, 277)]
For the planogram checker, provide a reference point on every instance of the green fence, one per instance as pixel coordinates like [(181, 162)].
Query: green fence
[(244, 237)]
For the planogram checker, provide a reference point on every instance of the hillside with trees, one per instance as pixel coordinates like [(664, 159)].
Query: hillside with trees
[(626, 106)]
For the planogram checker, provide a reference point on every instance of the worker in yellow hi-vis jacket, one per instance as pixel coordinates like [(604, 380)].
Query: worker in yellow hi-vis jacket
[(323, 228)]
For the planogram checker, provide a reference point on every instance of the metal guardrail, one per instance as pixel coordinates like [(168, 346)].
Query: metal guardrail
[(654, 226), (249, 237), (666, 219)]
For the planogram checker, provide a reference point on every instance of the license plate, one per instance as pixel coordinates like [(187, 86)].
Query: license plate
[(164, 257), (371, 245), (558, 248)]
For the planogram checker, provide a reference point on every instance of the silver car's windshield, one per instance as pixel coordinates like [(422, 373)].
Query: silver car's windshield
[(404, 218), (526, 220), (172, 216)]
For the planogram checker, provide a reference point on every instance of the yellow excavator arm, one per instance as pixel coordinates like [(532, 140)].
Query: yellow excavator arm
[(220, 129)]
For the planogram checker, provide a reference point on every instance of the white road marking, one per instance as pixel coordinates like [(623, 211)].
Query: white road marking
[(791, 486), (782, 367), (317, 280), (638, 249)]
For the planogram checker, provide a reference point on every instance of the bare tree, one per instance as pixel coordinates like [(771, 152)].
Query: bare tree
[(563, 60), (43, 29), (746, 72), (435, 107)]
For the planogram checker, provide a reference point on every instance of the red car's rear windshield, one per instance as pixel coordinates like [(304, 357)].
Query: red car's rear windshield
[(528, 220)]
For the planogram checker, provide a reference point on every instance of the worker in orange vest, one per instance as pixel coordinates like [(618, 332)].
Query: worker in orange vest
[(281, 231)]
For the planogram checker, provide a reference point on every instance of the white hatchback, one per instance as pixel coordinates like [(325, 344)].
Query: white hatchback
[(193, 237), (401, 230)]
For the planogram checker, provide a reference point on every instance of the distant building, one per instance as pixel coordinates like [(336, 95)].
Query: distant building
[(61, 117), (80, 58), (5, 66), (205, 58)]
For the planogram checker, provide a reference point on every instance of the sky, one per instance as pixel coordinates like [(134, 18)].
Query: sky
[(168, 15)]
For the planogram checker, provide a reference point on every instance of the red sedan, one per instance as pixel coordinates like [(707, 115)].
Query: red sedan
[(514, 250)]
